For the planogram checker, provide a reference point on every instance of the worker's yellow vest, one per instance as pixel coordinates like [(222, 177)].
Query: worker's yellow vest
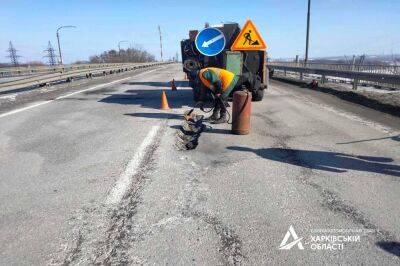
[(225, 76)]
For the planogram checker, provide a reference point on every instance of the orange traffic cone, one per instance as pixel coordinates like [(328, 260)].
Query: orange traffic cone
[(173, 87), (164, 101)]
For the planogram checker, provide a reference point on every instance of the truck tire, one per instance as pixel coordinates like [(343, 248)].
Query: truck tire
[(257, 95), (196, 95)]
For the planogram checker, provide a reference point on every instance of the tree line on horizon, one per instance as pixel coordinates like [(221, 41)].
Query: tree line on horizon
[(130, 55)]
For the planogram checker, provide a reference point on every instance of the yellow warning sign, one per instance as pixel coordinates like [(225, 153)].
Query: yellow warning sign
[(249, 39)]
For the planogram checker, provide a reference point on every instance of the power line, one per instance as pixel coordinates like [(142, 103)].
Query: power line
[(51, 55), (13, 55)]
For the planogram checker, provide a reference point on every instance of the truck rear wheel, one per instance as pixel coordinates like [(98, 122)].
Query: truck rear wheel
[(196, 95), (257, 95)]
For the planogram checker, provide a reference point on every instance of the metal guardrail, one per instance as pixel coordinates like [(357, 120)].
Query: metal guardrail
[(377, 69), (374, 74), (68, 74), (23, 71)]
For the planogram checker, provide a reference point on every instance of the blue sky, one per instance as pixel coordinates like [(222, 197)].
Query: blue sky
[(338, 26)]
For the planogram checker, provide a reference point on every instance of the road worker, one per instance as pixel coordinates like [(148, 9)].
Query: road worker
[(220, 82)]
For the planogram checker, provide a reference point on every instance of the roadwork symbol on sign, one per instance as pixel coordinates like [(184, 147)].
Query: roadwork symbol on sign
[(249, 39), (210, 41)]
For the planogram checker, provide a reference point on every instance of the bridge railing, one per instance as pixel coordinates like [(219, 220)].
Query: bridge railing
[(37, 70), (380, 75), (49, 76)]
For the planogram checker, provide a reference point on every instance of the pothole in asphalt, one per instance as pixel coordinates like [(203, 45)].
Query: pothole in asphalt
[(187, 137)]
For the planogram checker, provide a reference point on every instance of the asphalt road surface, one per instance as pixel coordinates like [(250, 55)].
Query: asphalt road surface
[(90, 174)]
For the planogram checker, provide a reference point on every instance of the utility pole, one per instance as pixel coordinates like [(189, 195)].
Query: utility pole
[(58, 41), (308, 32), (51, 55), (159, 31), (13, 55)]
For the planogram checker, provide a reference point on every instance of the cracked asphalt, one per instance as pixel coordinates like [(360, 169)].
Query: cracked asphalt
[(312, 161)]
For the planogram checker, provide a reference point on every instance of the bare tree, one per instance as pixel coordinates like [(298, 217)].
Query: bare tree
[(130, 55)]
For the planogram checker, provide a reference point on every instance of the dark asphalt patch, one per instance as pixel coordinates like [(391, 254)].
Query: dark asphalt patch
[(231, 245)]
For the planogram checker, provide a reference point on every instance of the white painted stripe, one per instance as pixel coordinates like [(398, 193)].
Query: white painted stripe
[(73, 93), (375, 125), (378, 126), (125, 180), (24, 109), (103, 85)]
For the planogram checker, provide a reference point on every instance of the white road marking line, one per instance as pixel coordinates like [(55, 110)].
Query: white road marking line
[(125, 180), (24, 109), (345, 114), (375, 125), (102, 85), (73, 93)]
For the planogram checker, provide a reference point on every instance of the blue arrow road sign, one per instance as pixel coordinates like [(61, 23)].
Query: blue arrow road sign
[(210, 41)]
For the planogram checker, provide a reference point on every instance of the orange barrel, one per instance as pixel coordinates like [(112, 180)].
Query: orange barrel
[(241, 111)]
